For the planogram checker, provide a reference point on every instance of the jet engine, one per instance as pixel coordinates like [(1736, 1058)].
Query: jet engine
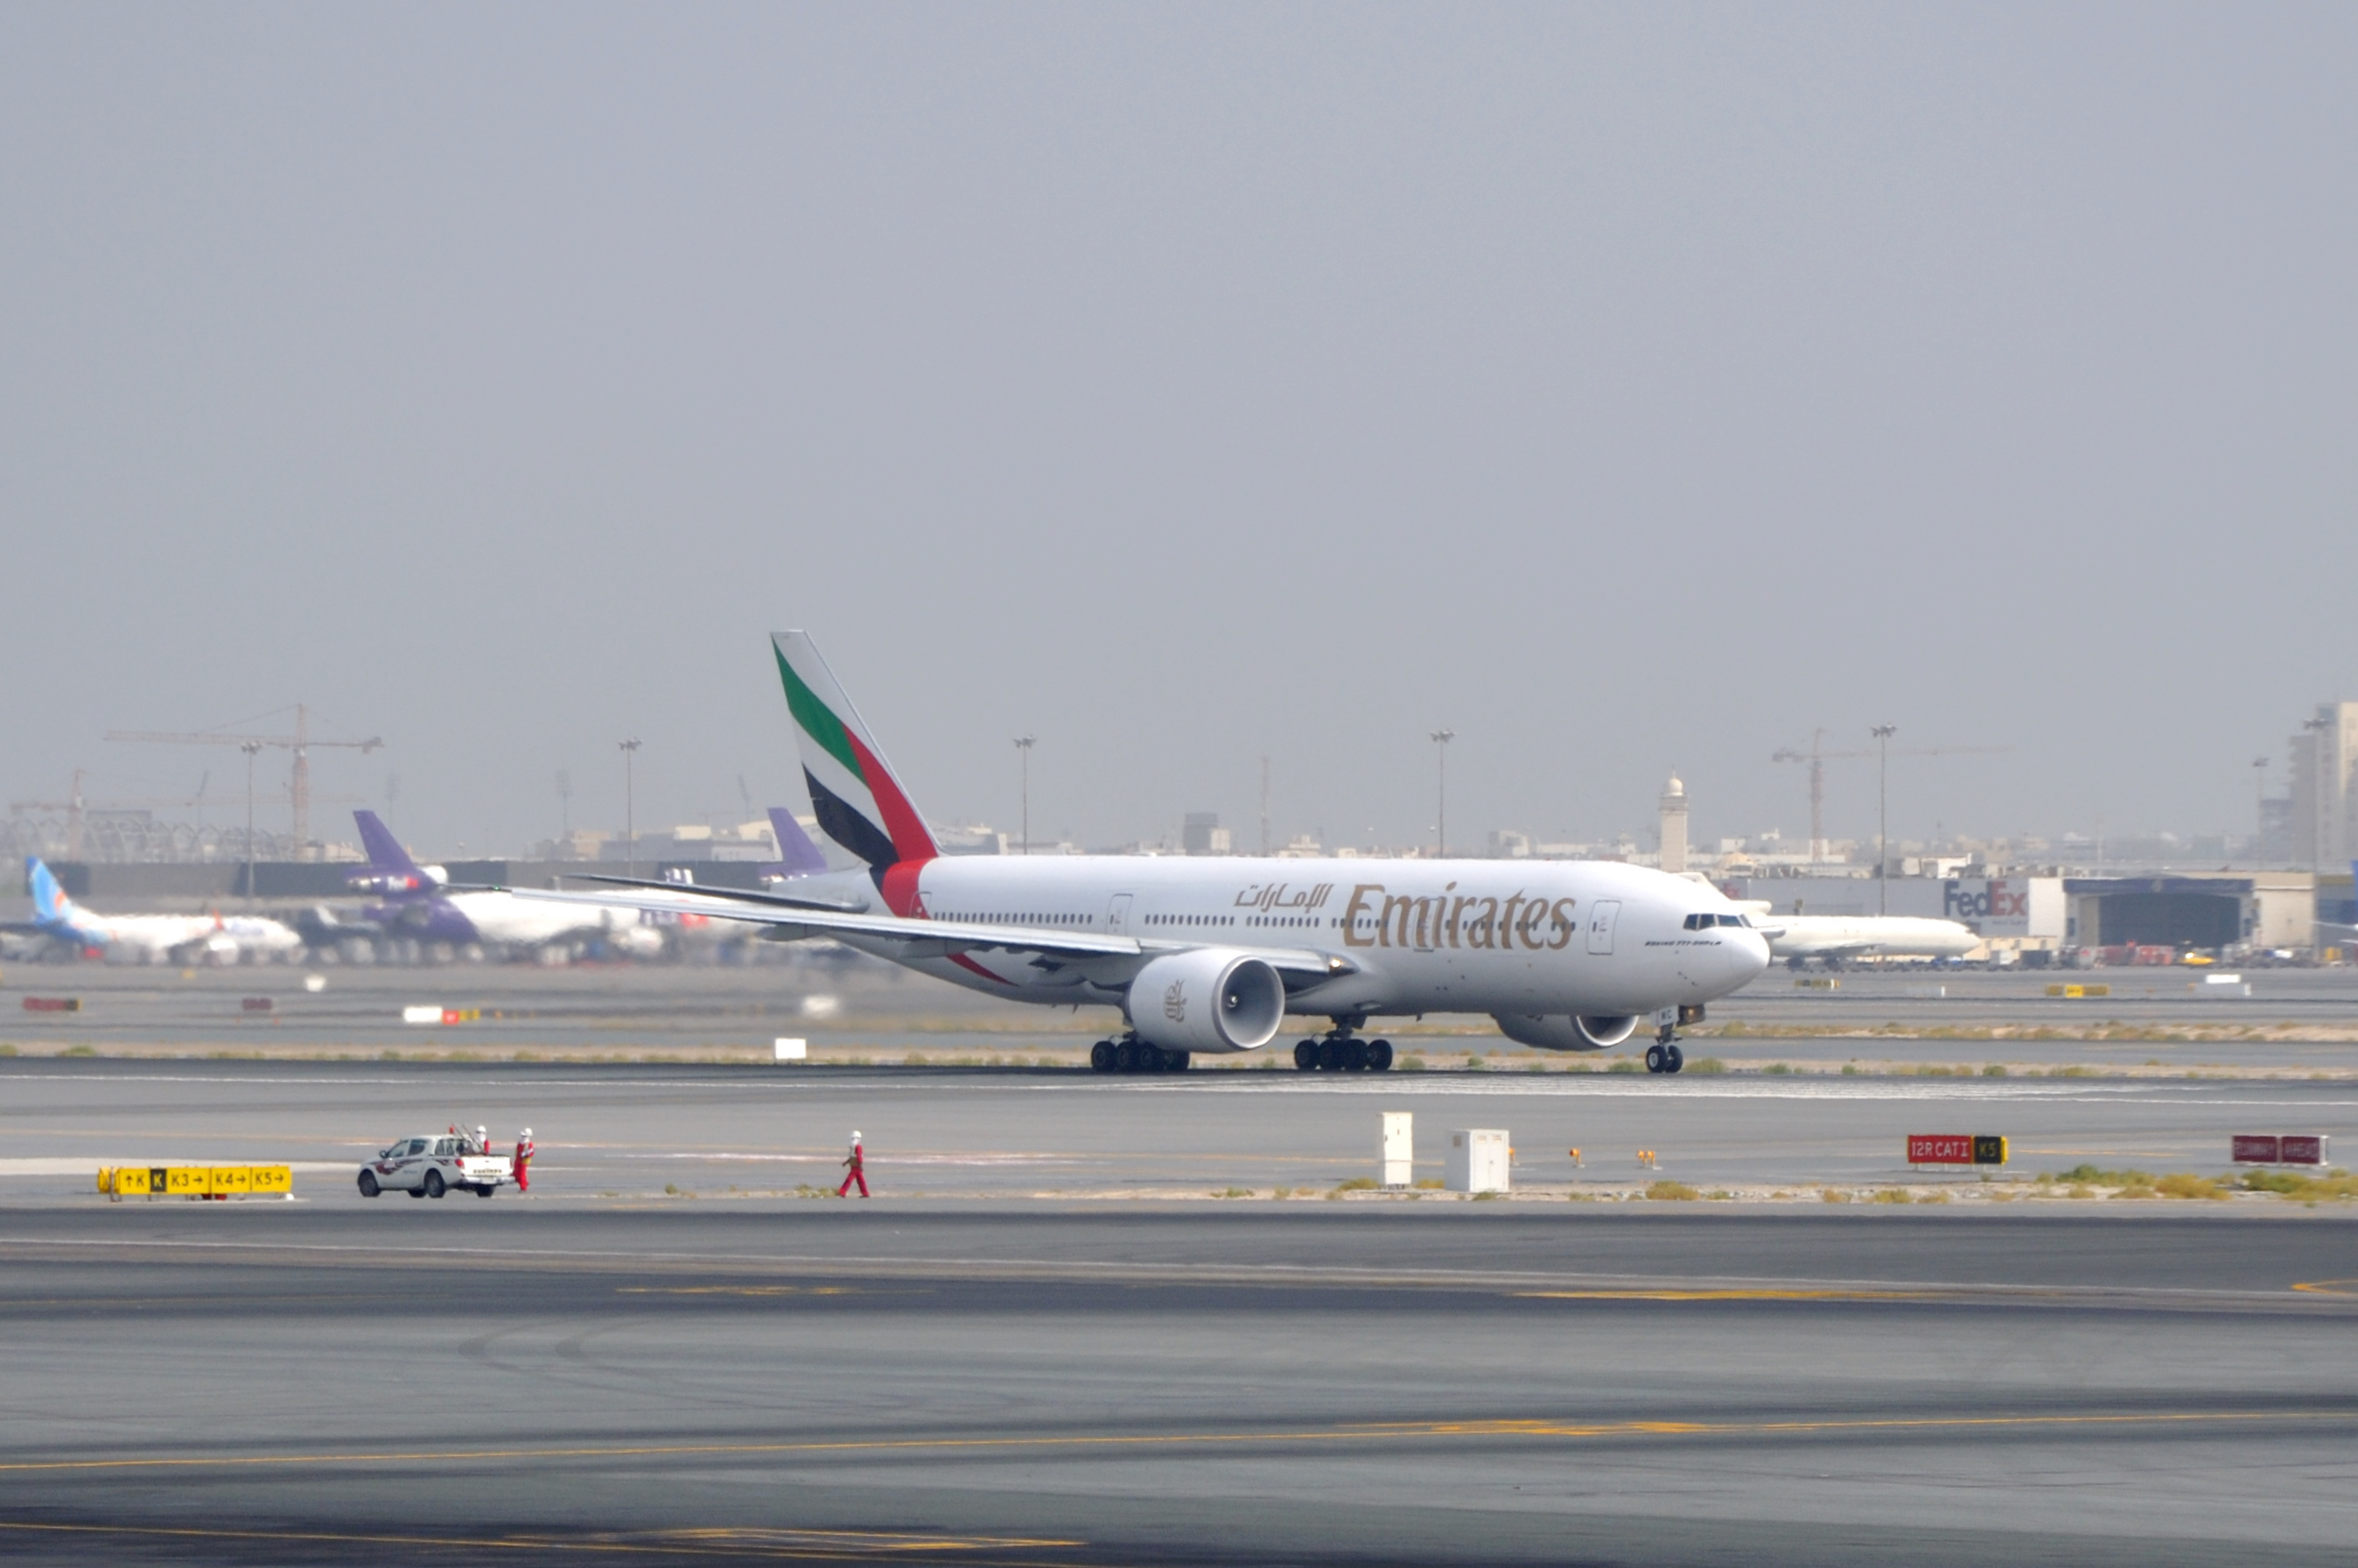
[(1574, 1033), (1208, 999)]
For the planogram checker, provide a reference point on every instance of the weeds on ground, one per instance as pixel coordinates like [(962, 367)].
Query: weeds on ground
[(1408, 1064), (1994, 1070), (1357, 1184), (1671, 1192), (2095, 1176), (1932, 1197), (1850, 1069), (78, 1050), (1720, 1195), (1487, 1197), (1706, 1066), (7, 1050), (1624, 1064), (1832, 1195), (2332, 1184), (1233, 1193), (1475, 1064), (1892, 1194), (1431, 1185), (1281, 1192)]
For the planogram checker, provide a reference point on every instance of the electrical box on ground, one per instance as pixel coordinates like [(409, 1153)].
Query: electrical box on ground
[(1477, 1161), (1399, 1147), (790, 1050)]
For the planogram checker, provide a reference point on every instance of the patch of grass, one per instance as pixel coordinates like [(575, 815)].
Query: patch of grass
[(1408, 1064), (1625, 1064), (1932, 1197), (2137, 1190), (1671, 1192), (804, 1190), (2187, 1184), (78, 1050), (2080, 1192), (1850, 1069), (2333, 1184), (1487, 1197), (1357, 1184), (1707, 1066), (1832, 1195), (1994, 1070), (1720, 1195), (1536, 1066), (1281, 1192), (2094, 1176), (1233, 1193), (1777, 1069), (915, 1059), (1475, 1064), (672, 1187), (1431, 1185), (1892, 1194), (528, 1057), (7, 1050)]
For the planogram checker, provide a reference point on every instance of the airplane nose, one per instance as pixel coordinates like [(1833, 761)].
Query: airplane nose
[(1748, 960)]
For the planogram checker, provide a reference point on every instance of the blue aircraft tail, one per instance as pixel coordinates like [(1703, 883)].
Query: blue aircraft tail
[(51, 904), (797, 856)]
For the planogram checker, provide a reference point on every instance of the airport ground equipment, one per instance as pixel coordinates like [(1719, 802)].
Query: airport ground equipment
[(428, 1164), (787, 1050), (206, 1181), (1957, 1149), (1398, 1148), (2277, 1148), (1479, 1157)]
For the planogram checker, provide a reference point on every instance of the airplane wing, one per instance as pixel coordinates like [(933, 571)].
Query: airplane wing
[(788, 920)]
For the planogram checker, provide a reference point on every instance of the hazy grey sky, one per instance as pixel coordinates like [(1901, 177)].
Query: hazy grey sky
[(1623, 387)]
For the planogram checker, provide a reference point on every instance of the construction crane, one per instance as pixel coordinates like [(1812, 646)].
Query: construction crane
[(1817, 756), (301, 743)]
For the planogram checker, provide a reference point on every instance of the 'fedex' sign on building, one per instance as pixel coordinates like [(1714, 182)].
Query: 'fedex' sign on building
[(2006, 906)]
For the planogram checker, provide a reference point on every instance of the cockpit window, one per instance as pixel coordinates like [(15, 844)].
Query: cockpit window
[(1708, 921)]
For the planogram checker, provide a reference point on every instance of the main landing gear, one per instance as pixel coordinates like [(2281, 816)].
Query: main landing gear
[(1341, 1053), (1131, 1054)]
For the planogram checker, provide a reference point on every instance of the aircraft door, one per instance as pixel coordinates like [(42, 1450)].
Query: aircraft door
[(1118, 915), (1601, 918)]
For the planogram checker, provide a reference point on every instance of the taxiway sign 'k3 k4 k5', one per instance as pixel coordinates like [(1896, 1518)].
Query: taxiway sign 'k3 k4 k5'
[(1212, 954)]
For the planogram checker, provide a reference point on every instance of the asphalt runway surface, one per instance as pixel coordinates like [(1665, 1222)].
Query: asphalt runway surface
[(631, 1131), (1044, 1384), (1018, 1353)]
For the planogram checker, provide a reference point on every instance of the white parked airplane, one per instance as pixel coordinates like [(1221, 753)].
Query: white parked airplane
[(1213, 954), (419, 906), (148, 938), (1833, 939)]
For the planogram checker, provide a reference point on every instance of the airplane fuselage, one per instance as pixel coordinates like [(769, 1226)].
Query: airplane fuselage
[(1533, 937)]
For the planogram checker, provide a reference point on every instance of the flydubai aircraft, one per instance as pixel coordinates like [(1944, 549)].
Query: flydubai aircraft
[(1211, 955), (149, 938)]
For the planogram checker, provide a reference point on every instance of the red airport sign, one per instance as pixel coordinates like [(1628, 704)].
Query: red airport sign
[(1955, 1148), (2279, 1149)]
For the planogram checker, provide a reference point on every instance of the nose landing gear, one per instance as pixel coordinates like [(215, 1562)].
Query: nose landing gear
[(1662, 1058)]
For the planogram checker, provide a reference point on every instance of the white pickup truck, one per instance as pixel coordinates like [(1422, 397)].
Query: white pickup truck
[(428, 1164)]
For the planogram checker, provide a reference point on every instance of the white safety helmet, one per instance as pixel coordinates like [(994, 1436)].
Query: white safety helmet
[(855, 1135), (527, 1133)]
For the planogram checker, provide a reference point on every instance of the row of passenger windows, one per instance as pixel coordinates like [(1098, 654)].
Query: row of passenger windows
[(1014, 919), (1190, 920)]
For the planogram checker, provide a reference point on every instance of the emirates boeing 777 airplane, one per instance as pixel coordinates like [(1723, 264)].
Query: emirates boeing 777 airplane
[(1211, 955)]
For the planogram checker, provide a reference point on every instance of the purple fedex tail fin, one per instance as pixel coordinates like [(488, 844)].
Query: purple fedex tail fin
[(797, 856), (390, 868)]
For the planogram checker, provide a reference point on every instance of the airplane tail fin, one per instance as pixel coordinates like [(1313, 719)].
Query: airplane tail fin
[(51, 904), (797, 856), (858, 803), (390, 868)]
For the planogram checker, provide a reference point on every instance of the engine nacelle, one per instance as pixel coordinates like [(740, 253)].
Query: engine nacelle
[(1209, 1000), (1574, 1033)]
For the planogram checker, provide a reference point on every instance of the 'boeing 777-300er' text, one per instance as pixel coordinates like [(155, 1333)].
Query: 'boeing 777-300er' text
[(1212, 954)]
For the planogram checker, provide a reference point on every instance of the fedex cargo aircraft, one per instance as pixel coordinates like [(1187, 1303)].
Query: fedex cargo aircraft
[(1215, 954), (417, 903)]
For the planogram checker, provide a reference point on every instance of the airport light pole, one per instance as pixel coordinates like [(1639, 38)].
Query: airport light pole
[(1883, 733), (1440, 739), (1024, 751), (630, 750), (250, 748)]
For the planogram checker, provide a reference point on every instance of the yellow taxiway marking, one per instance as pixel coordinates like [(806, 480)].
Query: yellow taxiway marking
[(1642, 1294), (2328, 1287), (735, 1544), (1357, 1432)]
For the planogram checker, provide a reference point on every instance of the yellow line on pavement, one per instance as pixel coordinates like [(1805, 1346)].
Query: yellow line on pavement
[(1525, 1427), (2328, 1287)]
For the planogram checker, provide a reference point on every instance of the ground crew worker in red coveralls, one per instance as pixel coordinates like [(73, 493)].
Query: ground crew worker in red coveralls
[(856, 1172), (523, 1161)]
